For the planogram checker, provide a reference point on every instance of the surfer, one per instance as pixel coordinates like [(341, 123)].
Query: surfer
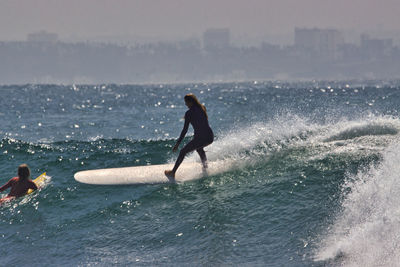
[(20, 184), (203, 135)]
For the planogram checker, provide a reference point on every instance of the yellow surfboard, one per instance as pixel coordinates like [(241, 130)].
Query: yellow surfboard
[(39, 181)]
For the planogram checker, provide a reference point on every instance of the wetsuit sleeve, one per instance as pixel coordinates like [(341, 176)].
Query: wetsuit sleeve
[(185, 128), (7, 185)]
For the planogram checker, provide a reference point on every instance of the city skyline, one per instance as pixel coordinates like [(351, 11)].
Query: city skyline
[(138, 41), (249, 22), (348, 37), (316, 54)]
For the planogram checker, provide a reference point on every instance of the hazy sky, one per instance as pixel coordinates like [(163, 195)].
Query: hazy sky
[(180, 18)]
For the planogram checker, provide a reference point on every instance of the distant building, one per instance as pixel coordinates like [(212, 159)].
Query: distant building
[(42, 37), (376, 48), (350, 52), (319, 42), (216, 38)]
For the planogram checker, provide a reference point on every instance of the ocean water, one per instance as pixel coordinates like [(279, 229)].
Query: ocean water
[(315, 179)]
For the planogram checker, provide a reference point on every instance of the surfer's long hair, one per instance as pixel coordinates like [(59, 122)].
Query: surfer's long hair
[(193, 99), (24, 172)]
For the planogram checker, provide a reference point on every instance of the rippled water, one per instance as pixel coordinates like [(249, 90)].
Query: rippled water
[(313, 181)]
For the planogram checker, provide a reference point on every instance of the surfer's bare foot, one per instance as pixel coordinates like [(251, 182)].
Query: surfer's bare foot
[(169, 174)]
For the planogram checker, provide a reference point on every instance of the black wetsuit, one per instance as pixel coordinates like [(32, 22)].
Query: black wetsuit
[(203, 135)]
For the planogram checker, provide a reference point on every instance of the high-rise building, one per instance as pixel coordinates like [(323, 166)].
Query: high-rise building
[(216, 38), (319, 42), (376, 48)]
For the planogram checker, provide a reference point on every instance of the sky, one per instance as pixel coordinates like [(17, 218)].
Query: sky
[(87, 19)]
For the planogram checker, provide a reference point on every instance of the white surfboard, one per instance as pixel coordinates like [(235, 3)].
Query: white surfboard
[(151, 174)]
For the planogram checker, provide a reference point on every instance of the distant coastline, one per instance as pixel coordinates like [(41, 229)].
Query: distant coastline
[(316, 54)]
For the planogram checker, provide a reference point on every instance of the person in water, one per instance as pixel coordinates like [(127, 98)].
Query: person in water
[(20, 184), (203, 135)]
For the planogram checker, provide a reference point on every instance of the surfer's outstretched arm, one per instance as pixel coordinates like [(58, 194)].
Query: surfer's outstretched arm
[(7, 185), (183, 133)]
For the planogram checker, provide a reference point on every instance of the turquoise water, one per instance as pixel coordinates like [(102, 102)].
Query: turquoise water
[(314, 180)]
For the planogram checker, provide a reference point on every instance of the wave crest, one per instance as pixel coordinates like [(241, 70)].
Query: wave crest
[(365, 233), (368, 128)]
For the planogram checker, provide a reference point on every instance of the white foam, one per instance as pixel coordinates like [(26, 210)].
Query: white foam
[(366, 233), (255, 142), (239, 142)]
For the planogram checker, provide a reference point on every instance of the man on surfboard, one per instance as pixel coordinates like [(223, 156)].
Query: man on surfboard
[(20, 184), (203, 135)]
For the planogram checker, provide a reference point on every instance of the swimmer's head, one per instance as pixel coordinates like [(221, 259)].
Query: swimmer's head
[(24, 172)]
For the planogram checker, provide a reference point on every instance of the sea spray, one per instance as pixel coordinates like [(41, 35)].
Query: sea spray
[(251, 144), (366, 231)]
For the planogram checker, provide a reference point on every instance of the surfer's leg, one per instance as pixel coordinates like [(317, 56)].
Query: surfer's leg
[(201, 144), (191, 146), (203, 157)]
